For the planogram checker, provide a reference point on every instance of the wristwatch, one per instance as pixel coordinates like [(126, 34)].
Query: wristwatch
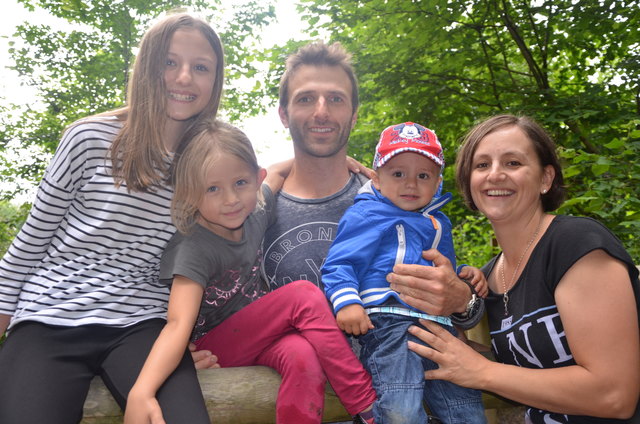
[(473, 303)]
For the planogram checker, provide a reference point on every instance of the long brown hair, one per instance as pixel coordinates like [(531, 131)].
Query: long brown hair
[(138, 154)]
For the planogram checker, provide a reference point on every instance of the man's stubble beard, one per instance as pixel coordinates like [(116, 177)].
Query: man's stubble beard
[(308, 148)]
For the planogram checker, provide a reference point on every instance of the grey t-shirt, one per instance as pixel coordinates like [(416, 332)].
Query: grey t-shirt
[(229, 271), (296, 245)]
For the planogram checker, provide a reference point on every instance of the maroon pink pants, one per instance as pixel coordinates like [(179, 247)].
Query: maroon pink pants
[(293, 331)]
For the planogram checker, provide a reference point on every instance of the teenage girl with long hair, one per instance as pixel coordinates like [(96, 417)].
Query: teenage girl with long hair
[(79, 289), (219, 299)]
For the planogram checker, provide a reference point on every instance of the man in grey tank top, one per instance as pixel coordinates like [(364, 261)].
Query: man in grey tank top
[(319, 105)]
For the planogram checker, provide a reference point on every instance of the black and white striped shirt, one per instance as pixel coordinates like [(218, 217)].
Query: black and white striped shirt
[(89, 252)]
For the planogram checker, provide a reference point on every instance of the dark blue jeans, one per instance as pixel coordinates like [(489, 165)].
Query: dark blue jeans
[(398, 378)]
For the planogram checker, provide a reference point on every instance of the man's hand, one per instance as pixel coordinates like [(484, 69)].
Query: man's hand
[(436, 289), (352, 319), (203, 359), (358, 168)]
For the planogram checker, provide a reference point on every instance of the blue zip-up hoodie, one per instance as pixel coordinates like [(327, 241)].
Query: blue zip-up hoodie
[(373, 236)]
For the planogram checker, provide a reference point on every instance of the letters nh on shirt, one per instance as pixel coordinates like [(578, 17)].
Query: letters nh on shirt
[(536, 341)]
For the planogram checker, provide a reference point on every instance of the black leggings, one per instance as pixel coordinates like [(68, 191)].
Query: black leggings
[(45, 372)]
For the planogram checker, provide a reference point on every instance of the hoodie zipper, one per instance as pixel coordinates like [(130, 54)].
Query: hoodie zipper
[(402, 244)]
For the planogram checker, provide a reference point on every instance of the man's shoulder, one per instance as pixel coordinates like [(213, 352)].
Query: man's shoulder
[(361, 179)]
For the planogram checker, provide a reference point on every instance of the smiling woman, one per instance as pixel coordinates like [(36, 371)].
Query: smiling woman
[(565, 324)]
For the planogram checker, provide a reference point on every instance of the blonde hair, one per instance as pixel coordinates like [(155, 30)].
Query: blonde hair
[(200, 150), (138, 155)]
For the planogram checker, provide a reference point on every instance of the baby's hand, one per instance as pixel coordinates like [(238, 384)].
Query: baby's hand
[(476, 278), (353, 319)]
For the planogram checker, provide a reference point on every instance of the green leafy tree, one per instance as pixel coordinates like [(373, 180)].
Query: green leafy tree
[(11, 219), (572, 65), (85, 69)]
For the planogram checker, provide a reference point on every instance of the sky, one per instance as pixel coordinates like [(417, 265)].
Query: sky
[(269, 137)]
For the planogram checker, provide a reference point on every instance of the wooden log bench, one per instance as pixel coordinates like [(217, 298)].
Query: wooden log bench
[(246, 395), (239, 395)]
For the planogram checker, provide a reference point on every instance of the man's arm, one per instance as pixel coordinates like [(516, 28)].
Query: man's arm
[(277, 173)]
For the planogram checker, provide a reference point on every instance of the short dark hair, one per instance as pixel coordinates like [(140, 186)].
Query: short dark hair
[(543, 145), (318, 54)]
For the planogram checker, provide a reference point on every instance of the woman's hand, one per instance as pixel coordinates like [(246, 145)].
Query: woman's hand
[(457, 361)]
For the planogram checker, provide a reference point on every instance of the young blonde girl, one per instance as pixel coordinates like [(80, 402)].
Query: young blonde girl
[(219, 299), (79, 286)]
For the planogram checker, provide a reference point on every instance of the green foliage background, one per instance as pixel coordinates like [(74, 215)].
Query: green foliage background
[(450, 63), (574, 65)]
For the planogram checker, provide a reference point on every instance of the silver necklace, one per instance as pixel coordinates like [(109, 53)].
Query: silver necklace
[(505, 293)]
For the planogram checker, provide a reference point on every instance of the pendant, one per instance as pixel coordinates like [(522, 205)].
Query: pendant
[(505, 300)]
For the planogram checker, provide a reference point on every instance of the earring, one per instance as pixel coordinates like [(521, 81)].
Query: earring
[(544, 191)]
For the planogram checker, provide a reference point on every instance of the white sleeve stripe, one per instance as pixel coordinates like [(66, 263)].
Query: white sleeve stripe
[(344, 299), (342, 292)]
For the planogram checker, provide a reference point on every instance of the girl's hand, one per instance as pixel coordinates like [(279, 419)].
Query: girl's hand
[(458, 362), (4, 323), (203, 359), (142, 410)]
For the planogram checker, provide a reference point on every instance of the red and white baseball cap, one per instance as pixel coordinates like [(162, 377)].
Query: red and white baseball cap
[(407, 137)]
